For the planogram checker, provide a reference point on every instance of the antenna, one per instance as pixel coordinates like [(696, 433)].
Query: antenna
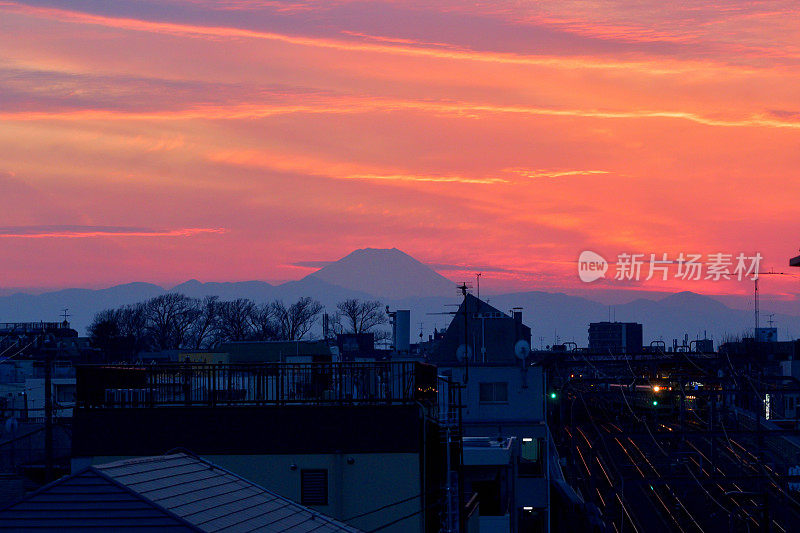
[(478, 277), (755, 305), (756, 309), (770, 320)]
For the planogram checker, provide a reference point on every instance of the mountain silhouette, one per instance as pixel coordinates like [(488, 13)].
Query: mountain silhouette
[(385, 273), (401, 282)]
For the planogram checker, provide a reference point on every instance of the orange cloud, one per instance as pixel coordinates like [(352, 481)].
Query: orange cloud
[(74, 232), (366, 105), (190, 30)]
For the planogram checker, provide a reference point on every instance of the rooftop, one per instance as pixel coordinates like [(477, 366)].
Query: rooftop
[(201, 384), (177, 492)]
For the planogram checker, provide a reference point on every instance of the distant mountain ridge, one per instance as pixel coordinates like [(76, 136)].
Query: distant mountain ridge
[(387, 273), (402, 282)]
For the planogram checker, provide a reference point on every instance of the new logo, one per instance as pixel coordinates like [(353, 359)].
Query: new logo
[(591, 266)]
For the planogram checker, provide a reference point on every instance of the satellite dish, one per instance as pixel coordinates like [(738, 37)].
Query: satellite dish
[(522, 349), (463, 351)]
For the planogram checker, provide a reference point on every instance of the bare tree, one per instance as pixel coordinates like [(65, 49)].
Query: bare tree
[(294, 322), (133, 321), (174, 320), (358, 316), (121, 333), (169, 318), (265, 325), (203, 330), (235, 320), (104, 332)]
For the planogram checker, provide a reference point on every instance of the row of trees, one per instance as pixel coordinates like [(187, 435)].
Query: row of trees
[(172, 321)]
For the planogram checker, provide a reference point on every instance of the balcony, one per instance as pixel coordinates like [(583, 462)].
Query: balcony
[(199, 384), (128, 410)]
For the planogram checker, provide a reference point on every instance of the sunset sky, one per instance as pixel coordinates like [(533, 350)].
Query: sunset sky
[(234, 140)]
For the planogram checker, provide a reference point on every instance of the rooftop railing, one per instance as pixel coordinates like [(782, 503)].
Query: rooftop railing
[(30, 326), (198, 384)]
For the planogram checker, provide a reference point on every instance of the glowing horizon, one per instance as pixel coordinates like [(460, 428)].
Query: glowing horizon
[(172, 140)]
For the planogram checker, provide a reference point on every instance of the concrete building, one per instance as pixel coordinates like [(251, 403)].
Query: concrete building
[(276, 351), (175, 493), (62, 394), (361, 442), (615, 337), (492, 335), (503, 416)]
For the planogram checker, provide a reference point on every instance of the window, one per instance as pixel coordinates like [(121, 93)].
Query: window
[(531, 520), (493, 392), (530, 457), (65, 393), (314, 487)]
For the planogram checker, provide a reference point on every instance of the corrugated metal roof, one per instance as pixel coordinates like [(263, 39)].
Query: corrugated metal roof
[(87, 501), (213, 499), (177, 491)]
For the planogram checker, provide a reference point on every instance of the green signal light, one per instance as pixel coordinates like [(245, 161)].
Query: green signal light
[(655, 402), (553, 395)]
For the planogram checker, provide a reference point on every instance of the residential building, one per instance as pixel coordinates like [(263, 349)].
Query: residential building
[(491, 335), (503, 416), (175, 493), (62, 394), (361, 442), (615, 337)]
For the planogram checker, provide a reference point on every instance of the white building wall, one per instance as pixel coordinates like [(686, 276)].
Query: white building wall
[(63, 395)]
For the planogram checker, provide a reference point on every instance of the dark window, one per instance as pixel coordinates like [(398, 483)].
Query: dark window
[(530, 457), (493, 392), (487, 392), (314, 487), (501, 392), (531, 520), (490, 494), (65, 393)]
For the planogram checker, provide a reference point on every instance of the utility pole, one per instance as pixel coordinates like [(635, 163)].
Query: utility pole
[(48, 413), (755, 303), (463, 288), (462, 524)]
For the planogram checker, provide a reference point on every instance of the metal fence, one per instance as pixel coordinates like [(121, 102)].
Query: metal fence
[(256, 384)]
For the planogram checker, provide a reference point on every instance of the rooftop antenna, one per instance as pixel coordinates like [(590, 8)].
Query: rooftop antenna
[(756, 309), (770, 320), (65, 314), (478, 277)]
